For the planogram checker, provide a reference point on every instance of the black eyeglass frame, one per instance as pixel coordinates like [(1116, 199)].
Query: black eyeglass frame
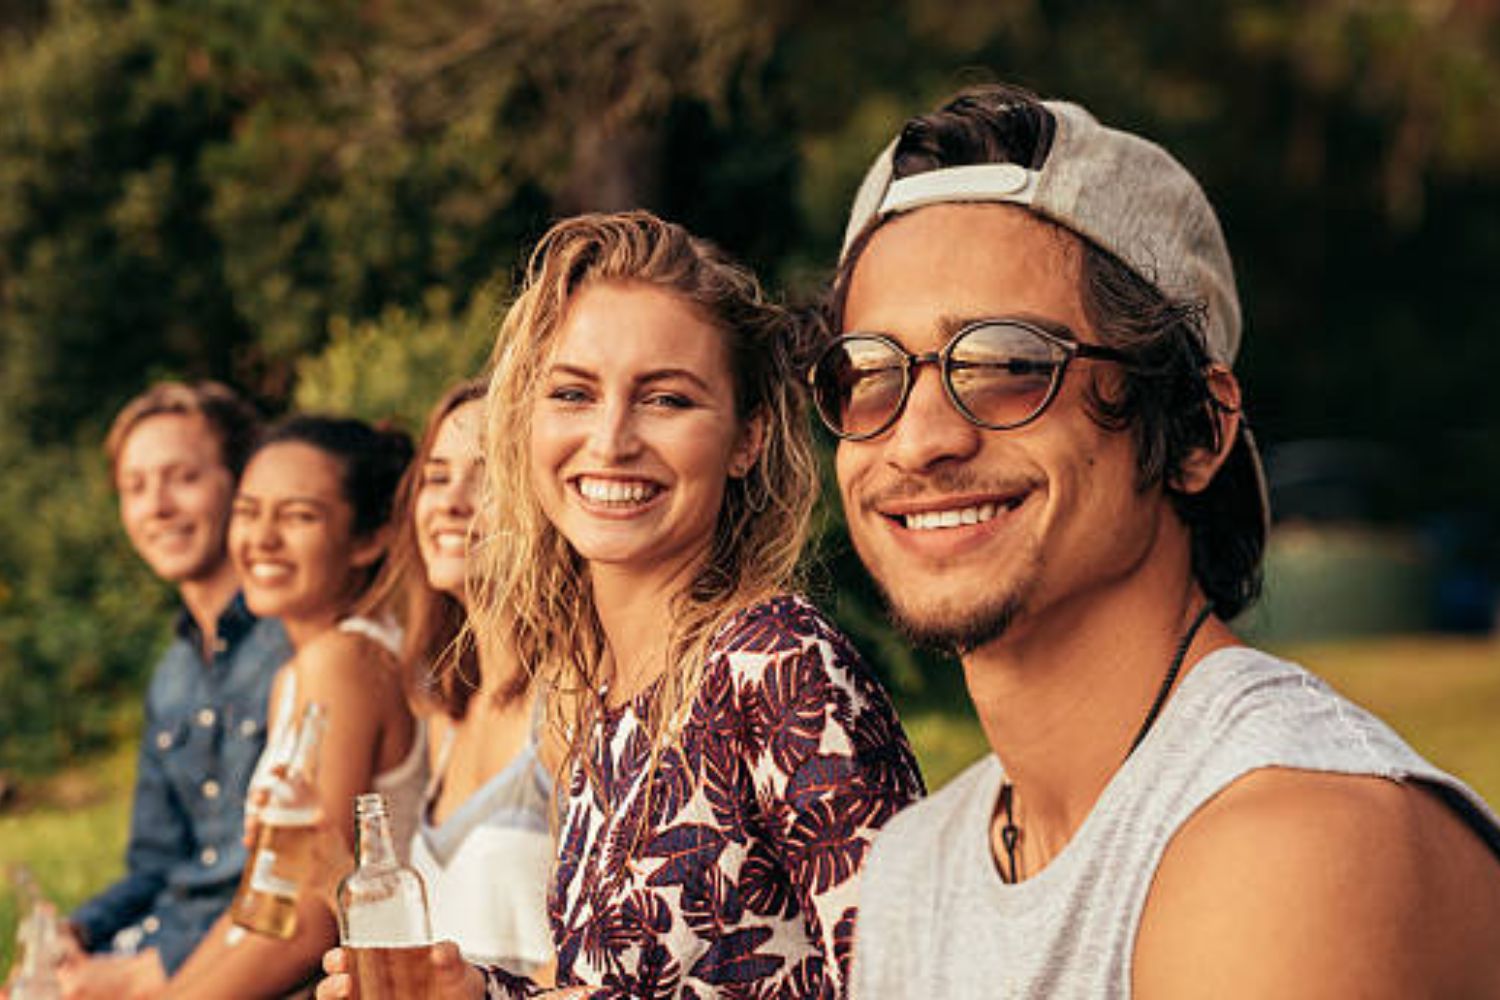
[(1071, 349)]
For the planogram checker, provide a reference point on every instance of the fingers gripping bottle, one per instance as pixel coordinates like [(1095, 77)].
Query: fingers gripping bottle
[(286, 846), (383, 920)]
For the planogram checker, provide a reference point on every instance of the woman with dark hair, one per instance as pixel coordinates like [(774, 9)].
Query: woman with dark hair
[(729, 755), (308, 533), (482, 841)]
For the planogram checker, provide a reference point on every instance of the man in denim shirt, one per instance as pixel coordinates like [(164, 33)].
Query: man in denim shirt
[(176, 452)]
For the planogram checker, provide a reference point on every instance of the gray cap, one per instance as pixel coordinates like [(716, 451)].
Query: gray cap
[(1121, 192)]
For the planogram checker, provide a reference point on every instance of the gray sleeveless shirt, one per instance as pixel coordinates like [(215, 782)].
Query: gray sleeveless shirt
[(936, 920)]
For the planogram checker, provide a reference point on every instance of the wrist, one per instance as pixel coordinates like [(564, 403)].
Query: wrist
[(78, 934)]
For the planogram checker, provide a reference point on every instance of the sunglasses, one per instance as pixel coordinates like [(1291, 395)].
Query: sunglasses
[(999, 373)]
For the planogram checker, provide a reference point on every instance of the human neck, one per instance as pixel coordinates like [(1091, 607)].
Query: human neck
[(499, 672), (303, 629), (1062, 697), (206, 598), (636, 616)]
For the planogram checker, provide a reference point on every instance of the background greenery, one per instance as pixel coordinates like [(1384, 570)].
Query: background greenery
[(326, 203)]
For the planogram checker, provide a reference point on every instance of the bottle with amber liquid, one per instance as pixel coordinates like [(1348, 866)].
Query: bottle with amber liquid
[(286, 846), (383, 920)]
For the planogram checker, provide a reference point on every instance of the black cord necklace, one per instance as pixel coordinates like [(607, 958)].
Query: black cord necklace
[(1010, 833)]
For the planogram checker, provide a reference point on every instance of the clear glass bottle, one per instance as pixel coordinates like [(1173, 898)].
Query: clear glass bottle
[(286, 846), (38, 944), (383, 920)]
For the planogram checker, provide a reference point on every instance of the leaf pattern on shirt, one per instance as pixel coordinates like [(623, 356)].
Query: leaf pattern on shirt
[(730, 870)]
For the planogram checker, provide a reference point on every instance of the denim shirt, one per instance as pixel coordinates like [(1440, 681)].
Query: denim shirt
[(205, 726)]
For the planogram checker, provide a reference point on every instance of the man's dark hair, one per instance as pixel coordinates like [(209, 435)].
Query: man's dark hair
[(1164, 396)]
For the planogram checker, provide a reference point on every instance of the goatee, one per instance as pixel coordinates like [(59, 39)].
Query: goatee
[(954, 633)]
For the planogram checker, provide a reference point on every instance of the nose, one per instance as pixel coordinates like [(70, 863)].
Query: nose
[(458, 496), (161, 501), (930, 430), (612, 435), (260, 531)]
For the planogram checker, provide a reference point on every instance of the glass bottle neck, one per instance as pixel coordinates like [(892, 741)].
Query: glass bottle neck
[(375, 845), (304, 762)]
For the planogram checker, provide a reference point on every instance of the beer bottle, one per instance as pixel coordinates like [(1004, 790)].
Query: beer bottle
[(383, 921), (286, 846)]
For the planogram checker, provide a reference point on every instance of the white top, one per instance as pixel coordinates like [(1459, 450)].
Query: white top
[(402, 785), (487, 865), (935, 912)]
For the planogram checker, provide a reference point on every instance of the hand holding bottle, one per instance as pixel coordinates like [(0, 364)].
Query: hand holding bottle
[(383, 920), (451, 977), (286, 839)]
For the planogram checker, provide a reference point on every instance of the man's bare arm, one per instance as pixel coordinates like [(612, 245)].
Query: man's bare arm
[(1293, 883)]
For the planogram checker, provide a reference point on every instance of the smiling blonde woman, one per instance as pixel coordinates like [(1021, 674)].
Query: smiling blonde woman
[(729, 755)]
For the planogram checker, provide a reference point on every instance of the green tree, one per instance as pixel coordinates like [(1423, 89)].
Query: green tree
[(309, 200), (396, 367)]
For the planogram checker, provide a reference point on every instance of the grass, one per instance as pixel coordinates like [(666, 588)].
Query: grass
[(70, 832), (1442, 694)]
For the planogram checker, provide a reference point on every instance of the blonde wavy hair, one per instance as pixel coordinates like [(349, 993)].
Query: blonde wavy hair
[(536, 593)]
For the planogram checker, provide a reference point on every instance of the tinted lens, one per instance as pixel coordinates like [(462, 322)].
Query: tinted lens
[(1002, 373), (857, 385)]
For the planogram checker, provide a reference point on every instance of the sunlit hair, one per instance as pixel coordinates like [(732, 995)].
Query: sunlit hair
[(537, 592), (438, 653), (233, 421)]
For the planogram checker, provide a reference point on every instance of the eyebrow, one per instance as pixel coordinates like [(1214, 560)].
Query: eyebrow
[(646, 378), (318, 502)]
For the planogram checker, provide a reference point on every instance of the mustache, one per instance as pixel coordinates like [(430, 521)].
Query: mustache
[(943, 482)]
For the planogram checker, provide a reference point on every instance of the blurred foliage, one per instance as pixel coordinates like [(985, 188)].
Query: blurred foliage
[(395, 367), (270, 191), (81, 618)]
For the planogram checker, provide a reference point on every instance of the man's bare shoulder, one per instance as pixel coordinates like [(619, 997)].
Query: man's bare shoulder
[(1299, 883)]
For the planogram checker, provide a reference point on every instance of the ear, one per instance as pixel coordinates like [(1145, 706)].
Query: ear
[(368, 550), (1202, 464), (747, 450)]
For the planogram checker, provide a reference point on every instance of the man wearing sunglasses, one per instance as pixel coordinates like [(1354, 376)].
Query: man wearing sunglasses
[(1045, 464)]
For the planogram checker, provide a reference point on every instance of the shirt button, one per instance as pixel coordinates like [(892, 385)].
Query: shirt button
[(209, 857), (221, 646), (163, 740), (210, 789), (151, 925), (206, 717), (247, 727)]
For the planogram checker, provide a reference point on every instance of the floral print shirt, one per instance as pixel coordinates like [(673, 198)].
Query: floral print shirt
[(731, 871)]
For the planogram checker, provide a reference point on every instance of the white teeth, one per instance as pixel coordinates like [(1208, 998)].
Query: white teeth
[(933, 520), (269, 572), (615, 490), (449, 542)]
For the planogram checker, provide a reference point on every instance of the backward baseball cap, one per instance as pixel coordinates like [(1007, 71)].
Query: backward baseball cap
[(1123, 193)]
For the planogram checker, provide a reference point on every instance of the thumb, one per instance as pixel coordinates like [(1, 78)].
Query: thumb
[(452, 976)]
